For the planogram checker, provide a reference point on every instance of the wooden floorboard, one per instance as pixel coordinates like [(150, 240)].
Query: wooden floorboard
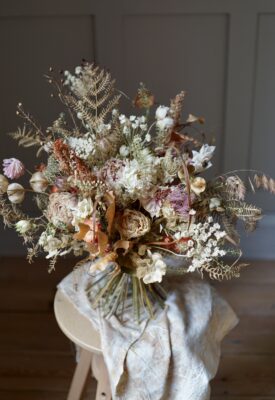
[(37, 360)]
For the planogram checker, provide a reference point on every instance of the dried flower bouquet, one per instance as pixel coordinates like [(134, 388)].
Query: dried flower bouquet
[(126, 192)]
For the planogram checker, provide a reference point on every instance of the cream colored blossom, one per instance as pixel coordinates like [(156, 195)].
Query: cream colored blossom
[(59, 211), (198, 185), (82, 210), (23, 226), (132, 224), (152, 268)]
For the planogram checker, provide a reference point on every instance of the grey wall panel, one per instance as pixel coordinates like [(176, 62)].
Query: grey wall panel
[(28, 46), (262, 139), (171, 53)]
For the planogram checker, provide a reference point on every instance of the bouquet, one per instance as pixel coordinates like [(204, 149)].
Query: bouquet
[(126, 194)]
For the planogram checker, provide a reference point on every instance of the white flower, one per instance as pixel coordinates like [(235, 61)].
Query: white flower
[(83, 210), (155, 269), (23, 226), (201, 159), (50, 244), (83, 147), (161, 112), (148, 137), (122, 119), (77, 70), (48, 146), (165, 123), (124, 151), (214, 203)]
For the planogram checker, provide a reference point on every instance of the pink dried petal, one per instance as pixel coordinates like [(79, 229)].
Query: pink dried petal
[(13, 168)]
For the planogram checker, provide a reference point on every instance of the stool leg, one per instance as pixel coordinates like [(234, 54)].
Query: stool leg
[(103, 391), (80, 375)]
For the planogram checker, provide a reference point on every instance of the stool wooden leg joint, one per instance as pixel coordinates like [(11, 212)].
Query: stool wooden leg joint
[(100, 372), (80, 375)]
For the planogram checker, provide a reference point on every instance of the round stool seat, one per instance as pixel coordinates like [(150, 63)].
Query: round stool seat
[(75, 325), (79, 330)]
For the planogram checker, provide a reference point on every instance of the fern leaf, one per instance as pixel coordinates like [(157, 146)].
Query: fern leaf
[(26, 138)]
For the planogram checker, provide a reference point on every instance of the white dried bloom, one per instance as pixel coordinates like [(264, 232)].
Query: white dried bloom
[(201, 159), (165, 123), (38, 182), (214, 203), (161, 112), (50, 244), (154, 270), (16, 193), (124, 151), (82, 210), (84, 148), (23, 226), (4, 183)]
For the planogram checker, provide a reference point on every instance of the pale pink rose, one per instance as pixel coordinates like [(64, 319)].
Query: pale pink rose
[(13, 168)]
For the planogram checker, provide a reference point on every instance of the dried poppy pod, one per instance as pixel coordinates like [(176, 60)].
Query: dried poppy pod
[(38, 182), (16, 193), (4, 183)]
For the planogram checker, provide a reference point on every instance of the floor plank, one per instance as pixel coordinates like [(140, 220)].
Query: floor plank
[(37, 360), (245, 375)]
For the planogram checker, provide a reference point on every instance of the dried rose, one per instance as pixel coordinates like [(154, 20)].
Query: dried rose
[(198, 185), (13, 168), (4, 183), (59, 211), (38, 182), (132, 224), (16, 193)]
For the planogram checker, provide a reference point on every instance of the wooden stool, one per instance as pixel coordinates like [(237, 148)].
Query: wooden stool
[(80, 331)]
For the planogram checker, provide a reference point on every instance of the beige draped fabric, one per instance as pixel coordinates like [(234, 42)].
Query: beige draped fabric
[(173, 356)]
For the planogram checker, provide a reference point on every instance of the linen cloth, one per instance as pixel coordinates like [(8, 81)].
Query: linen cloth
[(171, 357)]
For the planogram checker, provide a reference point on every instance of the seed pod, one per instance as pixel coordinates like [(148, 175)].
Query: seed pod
[(38, 182), (16, 193), (4, 183)]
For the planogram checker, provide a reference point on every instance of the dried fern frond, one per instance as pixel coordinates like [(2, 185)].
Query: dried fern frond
[(92, 95), (219, 271), (264, 182), (10, 212), (26, 138), (243, 210)]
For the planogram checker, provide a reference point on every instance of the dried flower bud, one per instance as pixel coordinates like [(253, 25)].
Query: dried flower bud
[(144, 98), (198, 185), (133, 224), (38, 182), (23, 226), (4, 183), (16, 193)]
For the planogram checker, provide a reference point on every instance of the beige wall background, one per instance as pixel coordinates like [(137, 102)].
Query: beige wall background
[(221, 52)]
